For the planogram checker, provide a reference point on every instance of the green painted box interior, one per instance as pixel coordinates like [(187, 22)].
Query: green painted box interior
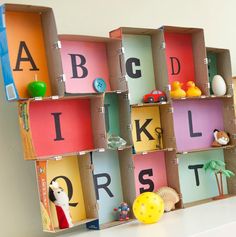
[(207, 187), (212, 67), (140, 47)]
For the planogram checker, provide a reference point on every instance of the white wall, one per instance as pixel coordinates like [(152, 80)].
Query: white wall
[(19, 208)]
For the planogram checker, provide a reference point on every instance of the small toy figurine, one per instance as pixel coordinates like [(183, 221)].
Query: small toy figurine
[(123, 210), (176, 90), (155, 96), (217, 167), (221, 138), (61, 201), (192, 90)]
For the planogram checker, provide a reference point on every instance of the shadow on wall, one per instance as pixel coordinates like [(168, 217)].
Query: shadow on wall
[(19, 205)]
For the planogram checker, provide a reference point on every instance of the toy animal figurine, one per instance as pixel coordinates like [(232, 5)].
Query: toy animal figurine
[(169, 196), (176, 90), (221, 138), (61, 201), (123, 210), (192, 90)]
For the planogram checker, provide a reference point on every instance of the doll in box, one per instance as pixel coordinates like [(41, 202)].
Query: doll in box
[(61, 201)]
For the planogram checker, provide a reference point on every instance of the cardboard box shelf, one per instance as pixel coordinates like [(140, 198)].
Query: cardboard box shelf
[(155, 170), (194, 125), (117, 116), (66, 126), (86, 58), (181, 56), (152, 128), (219, 63), (74, 175), (114, 183), (28, 42), (196, 185), (139, 50), (167, 143)]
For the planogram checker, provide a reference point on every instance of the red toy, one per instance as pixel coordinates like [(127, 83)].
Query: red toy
[(123, 210), (155, 96), (61, 201)]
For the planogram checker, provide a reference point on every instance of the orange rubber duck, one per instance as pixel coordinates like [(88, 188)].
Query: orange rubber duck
[(192, 90), (176, 90)]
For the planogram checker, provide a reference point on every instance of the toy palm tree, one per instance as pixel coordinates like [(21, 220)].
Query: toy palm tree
[(218, 168)]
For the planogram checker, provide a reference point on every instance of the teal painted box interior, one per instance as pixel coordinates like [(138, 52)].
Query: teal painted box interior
[(139, 47), (107, 171), (112, 114), (206, 187), (212, 67)]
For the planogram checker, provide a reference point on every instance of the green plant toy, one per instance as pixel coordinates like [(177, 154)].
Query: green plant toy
[(217, 167)]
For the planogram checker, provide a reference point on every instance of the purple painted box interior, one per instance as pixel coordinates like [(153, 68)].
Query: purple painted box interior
[(206, 116)]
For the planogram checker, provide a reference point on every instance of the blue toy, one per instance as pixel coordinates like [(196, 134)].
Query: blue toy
[(123, 210)]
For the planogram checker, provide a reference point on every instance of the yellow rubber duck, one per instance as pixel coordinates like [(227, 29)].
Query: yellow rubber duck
[(192, 90), (176, 90)]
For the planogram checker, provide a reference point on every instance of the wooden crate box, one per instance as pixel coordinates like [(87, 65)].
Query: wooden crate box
[(139, 49), (86, 58), (117, 116), (181, 56), (219, 63), (74, 175), (114, 183), (195, 121), (152, 128), (64, 126), (28, 49)]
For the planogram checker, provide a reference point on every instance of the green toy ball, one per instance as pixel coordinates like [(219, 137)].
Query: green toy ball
[(37, 88)]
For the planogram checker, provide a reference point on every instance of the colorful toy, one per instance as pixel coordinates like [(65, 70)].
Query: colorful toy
[(221, 138), (148, 207), (169, 196), (61, 201), (217, 167), (218, 85), (123, 210), (176, 90), (192, 90), (155, 96), (37, 88)]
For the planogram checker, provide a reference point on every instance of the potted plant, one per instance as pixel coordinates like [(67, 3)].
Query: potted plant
[(217, 167)]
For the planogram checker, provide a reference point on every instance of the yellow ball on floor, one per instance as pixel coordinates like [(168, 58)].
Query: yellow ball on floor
[(148, 207)]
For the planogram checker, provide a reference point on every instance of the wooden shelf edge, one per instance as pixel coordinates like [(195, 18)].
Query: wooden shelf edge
[(203, 97), (205, 149), (153, 151), (149, 104)]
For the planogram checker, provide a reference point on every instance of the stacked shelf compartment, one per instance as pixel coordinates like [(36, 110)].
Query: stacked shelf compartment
[(66, 132)]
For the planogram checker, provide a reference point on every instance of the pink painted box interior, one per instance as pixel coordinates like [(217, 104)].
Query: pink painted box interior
[(154, 161), (95, 54), (207, 115), (75, 126)]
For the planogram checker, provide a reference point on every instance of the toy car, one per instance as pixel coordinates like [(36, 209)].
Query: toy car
[(155, 96)]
